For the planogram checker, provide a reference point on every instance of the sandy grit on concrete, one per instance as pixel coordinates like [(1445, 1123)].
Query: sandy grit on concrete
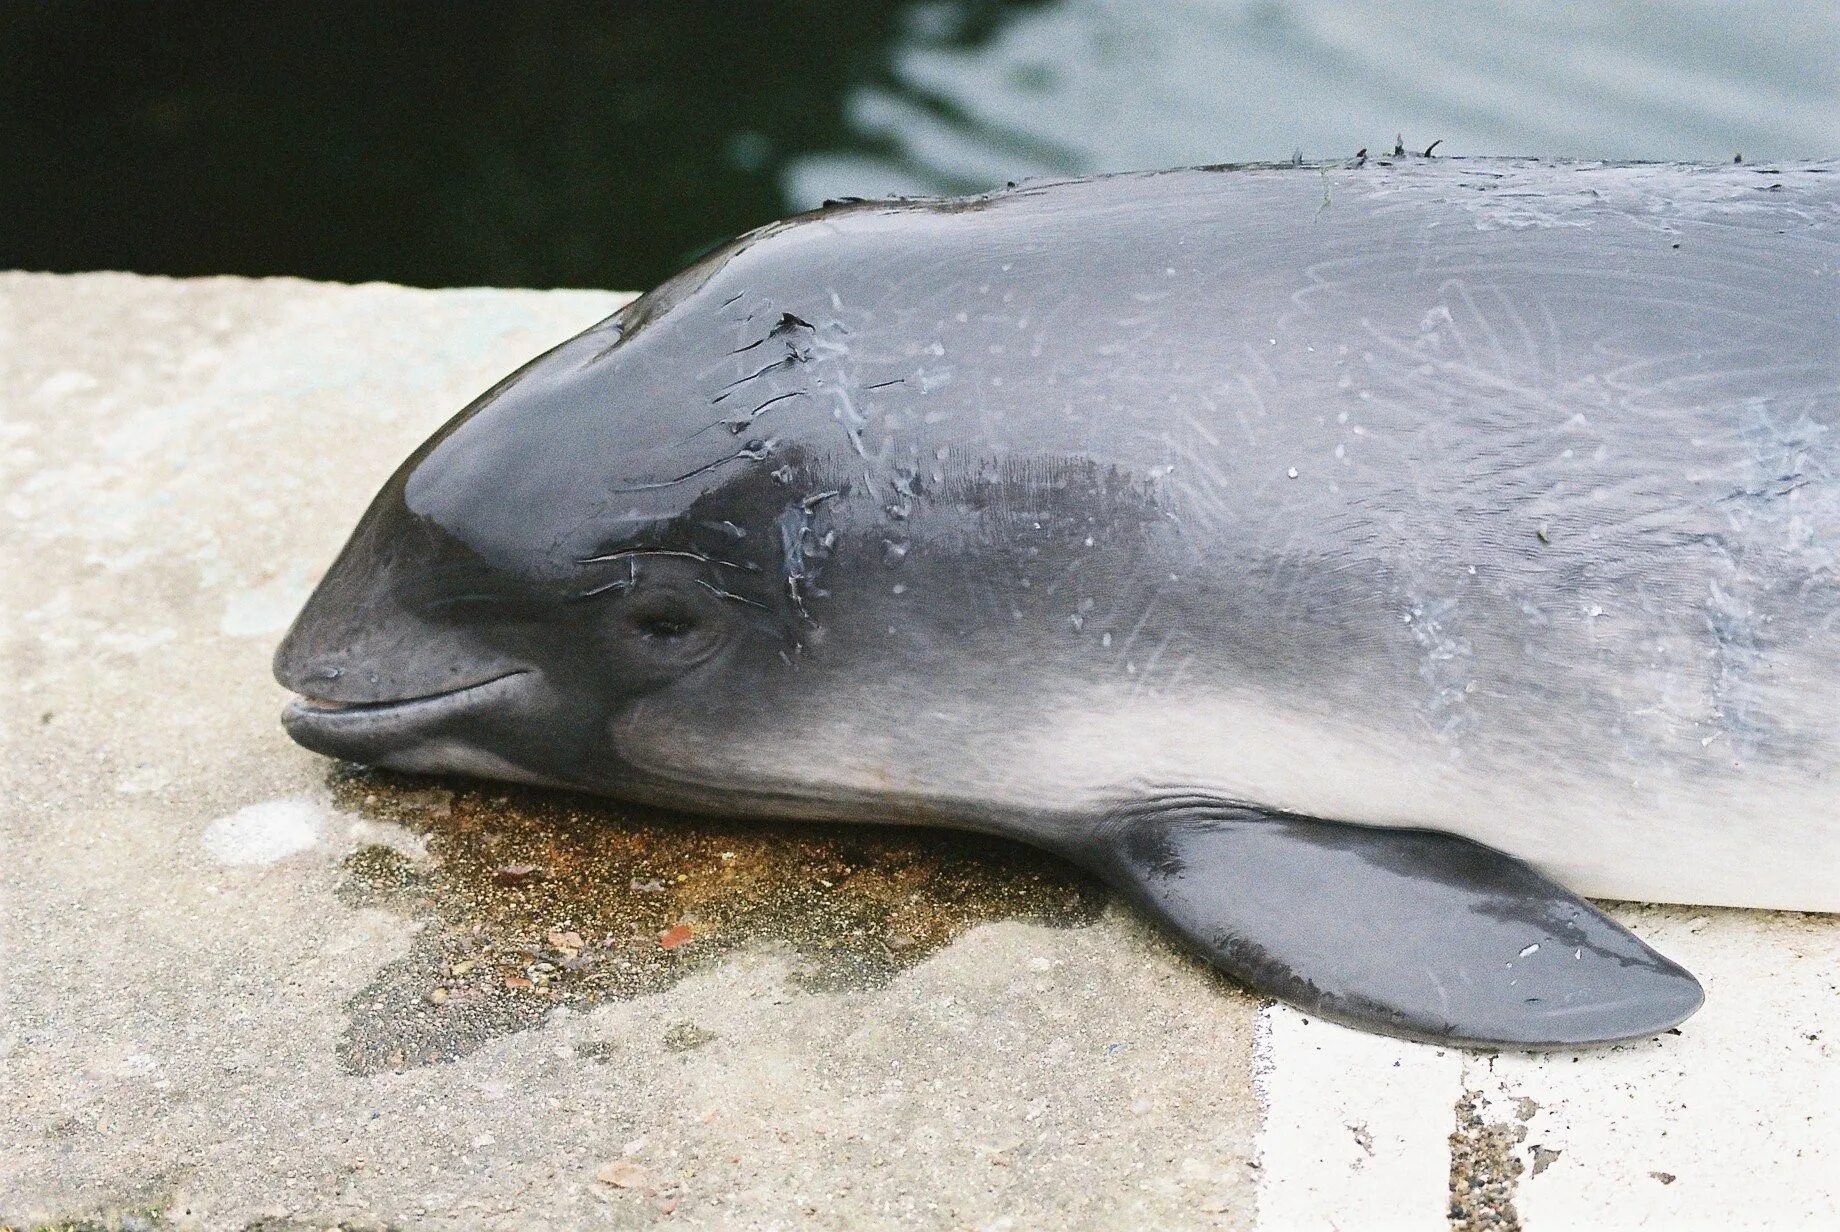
[(244, 990)]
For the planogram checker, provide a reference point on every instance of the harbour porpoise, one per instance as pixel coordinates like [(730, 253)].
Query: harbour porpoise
[(1352, 565)]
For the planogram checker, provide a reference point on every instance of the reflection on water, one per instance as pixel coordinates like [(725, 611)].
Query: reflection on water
[(544, 143), (1104, 85)]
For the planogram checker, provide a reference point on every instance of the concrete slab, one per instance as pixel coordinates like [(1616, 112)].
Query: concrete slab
[(1732, 1123), (243, 988)]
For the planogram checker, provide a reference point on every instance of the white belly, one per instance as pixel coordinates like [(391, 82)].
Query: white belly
[(1743, 839)]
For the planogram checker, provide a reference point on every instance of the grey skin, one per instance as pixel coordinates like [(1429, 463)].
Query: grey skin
[(1337, 560)]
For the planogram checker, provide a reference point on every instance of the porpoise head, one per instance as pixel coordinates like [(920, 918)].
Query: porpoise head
[(534, 569), (608, 572)]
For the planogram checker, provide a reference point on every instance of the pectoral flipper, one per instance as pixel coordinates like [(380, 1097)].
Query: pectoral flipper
[(1413, 933)]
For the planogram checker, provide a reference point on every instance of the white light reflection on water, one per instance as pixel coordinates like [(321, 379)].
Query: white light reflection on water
[(1101, 85)]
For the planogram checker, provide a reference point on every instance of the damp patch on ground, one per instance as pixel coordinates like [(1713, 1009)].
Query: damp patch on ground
[(528, 900)]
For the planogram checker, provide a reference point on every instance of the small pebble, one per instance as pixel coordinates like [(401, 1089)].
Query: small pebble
[(621, 1174)]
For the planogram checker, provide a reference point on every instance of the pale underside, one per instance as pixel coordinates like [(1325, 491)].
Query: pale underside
[(1660, 835)]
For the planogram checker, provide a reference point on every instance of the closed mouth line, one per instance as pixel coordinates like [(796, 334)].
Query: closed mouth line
[(309, 704)]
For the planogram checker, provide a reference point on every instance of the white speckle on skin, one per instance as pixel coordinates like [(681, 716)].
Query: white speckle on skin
[(266, 832)]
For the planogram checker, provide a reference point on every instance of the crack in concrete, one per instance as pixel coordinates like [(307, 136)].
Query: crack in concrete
[(1485, 1171)]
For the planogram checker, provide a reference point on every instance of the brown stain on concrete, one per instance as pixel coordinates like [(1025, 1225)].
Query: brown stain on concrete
[(530, 900)]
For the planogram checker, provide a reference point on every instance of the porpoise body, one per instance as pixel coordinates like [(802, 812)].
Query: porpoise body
[(1339, 561)]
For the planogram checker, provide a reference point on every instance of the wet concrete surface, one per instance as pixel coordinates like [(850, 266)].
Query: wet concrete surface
[(530, 900)]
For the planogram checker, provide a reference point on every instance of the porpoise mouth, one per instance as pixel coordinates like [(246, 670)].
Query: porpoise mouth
[(317, 722)]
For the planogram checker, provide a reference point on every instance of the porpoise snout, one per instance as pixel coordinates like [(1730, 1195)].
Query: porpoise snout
[(373, 682), (396, 732)]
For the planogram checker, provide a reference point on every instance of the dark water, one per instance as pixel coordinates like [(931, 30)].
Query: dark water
[(605, 144)]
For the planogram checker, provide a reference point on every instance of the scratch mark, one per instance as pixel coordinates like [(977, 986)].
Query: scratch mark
[(798, 356), (719, 593), (786, 324), (756, 451), (633, 553)]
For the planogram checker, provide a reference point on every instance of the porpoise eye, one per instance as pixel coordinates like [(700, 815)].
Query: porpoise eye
[(665, 625), (668, 628), (659, 615)]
